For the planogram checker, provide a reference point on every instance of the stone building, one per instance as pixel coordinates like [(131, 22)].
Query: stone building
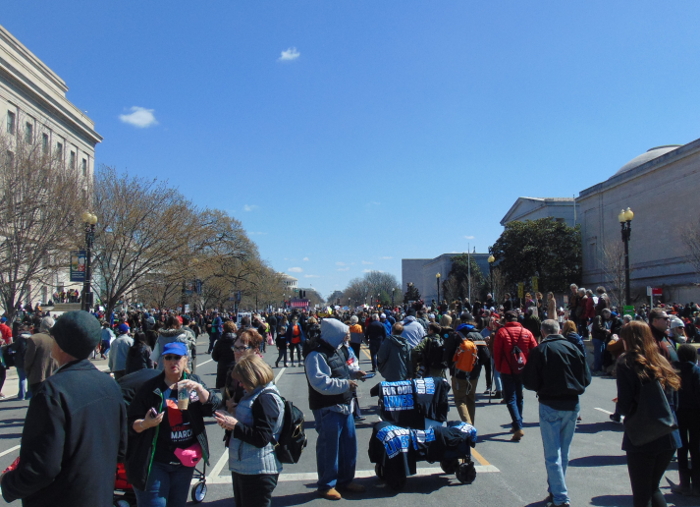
[(660, 187), (34, 109), (421, 273), (562, 209)]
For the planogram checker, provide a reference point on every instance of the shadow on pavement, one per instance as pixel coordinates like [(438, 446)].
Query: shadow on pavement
[(598, 461), (612, 500), (599, 426)]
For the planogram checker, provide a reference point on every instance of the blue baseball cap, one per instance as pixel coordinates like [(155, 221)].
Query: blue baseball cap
[(176, 348)]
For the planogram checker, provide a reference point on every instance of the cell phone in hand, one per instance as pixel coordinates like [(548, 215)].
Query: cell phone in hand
[(368, 376), (153, 412)]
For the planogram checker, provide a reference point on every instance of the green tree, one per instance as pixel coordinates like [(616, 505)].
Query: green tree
[(465, 272), (412, 293), (541, 247)]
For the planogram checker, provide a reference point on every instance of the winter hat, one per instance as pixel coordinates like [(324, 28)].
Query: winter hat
[(333, 332), (676, 322), (123, 328), (77, 333)]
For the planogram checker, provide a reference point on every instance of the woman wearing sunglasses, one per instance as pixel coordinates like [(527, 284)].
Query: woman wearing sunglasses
[(167, 437)]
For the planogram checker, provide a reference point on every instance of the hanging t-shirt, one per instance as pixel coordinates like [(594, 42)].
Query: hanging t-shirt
[(175, 431)]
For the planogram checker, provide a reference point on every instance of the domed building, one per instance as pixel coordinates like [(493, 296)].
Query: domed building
[(660, 186)]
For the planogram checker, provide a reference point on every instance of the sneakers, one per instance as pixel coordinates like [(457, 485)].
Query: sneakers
[(352, 487), (329, 494), (552, 504), (517, 435)]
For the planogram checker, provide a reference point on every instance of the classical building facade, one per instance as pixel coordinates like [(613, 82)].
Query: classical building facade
[(660, 187), (34, 109), (562, 209)]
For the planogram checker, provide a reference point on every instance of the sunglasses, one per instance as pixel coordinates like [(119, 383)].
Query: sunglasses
[(241, 349), (172, 358)]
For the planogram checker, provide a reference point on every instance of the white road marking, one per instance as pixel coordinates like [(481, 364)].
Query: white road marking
[(604, 411), (277, 378), (11, 449), (219, 466), (205, 362), (360, 474)]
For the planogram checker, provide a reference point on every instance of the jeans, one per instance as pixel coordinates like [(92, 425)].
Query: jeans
[(598, 349), (373, 350), (513, 394), (253, 490), (645, 471), (295, 347), (22, 374), (471, 398), (336, 448), (497, 383), (212, 340), (167, 485), (557, 428), (282, 353)]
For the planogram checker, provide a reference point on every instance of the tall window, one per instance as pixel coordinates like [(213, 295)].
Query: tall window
[(59, 150), (45, 144), (28, 133), (84, 167), (72, 160), (11, 123), (9, 157)]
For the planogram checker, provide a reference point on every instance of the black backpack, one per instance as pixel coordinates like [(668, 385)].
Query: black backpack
[(435, 352), (292, 438)]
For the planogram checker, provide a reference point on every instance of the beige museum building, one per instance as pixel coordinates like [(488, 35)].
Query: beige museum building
[(33, 105), (660, 186)]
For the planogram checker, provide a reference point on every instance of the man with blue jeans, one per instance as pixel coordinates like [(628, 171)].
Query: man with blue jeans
[(512, 335), (601, 332), (557, 370), (330, 399)]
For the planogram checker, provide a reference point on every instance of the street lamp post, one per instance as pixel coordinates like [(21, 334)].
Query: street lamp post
[(89, 220), (625, 218), (491, 260), (393, 290), (437, 279)]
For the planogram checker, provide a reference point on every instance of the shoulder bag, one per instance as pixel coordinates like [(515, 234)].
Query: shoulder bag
[(652, 417)]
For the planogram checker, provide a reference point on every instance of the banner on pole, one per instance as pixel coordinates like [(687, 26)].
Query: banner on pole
[(78, 259)]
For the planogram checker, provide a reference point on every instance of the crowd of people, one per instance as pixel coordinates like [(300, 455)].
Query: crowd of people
[(532, 343)]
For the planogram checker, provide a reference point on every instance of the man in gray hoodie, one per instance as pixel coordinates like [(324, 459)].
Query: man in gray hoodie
[(330, 394)]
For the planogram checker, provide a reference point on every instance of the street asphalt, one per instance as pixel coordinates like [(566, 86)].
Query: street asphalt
[(509, 474)]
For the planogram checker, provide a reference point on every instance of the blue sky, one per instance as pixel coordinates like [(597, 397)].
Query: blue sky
[(388, 130)]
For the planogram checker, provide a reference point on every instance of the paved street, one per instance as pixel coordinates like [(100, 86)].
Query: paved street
[(509, 474)]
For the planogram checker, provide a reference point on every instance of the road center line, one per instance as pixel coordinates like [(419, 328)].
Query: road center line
[(205, 362), (277, 378), (11, 449), (603, 410)]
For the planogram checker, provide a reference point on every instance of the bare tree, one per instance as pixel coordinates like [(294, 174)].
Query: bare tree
[(372, 286), (40, 200), (690, 235), (614, 271), (144, 228)]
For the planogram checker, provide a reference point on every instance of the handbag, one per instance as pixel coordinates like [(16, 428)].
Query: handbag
[(652, 417)]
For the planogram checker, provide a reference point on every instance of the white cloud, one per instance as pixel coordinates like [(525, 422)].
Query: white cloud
[(295, 270), (250, 207), (340, 263), (289, 55), (258, 234), (372, 270), (305, 259), (386, 257), (311, 276), (139, 117), (367, 263), (343, 269), (468, 237)]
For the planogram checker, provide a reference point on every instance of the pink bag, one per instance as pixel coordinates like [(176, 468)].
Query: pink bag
[(190, 456)]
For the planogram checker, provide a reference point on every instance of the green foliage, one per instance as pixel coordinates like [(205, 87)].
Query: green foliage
[(544, 246), (457, 283), (412, 294)]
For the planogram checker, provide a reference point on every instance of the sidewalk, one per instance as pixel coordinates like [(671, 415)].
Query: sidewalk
[(11, 386)]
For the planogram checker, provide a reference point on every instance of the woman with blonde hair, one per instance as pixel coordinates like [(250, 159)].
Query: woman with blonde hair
[(640, 365), (255, 424)]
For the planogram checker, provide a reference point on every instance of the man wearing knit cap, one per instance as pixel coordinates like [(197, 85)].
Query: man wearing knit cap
[(75, 428), (330, 396)]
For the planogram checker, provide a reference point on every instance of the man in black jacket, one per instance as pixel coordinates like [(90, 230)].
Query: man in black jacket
[(75, 428), (558, 371)]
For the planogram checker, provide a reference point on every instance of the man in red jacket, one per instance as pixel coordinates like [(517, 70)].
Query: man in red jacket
[(506, 363)]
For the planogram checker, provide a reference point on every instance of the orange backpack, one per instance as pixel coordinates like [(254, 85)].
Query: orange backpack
[(465, 357)]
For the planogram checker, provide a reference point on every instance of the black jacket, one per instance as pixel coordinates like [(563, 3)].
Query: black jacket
[(139, 453), (558, 371), (223, 355), (74, 433)]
